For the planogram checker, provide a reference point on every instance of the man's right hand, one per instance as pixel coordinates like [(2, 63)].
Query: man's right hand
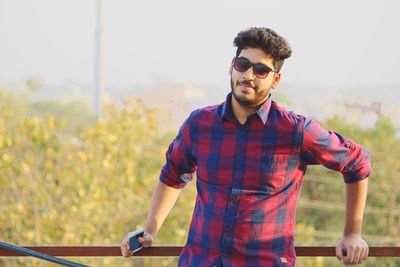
[(146, 241), (164, 197)]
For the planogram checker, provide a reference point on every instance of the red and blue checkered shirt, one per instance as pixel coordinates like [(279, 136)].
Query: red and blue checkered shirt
[(248, 180)]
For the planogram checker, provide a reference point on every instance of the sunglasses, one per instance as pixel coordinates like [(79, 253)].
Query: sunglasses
[(242, 64)]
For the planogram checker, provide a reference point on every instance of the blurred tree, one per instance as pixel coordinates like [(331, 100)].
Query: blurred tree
[(76, 115), (33, 84)]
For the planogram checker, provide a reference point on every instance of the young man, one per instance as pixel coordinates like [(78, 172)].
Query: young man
[(250, 156)]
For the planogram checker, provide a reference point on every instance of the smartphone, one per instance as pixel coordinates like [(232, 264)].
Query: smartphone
[(134, 243)]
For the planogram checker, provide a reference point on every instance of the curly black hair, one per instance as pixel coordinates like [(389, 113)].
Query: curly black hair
[(265, 39)]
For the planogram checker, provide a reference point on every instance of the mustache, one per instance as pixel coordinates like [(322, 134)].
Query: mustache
[(246, 83)]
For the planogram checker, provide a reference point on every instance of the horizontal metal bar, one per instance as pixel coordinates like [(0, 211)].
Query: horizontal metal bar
[(28, 252), (174, 251)]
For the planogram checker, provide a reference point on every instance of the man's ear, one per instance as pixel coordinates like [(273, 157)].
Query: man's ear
[(276, 80), (231, 67)]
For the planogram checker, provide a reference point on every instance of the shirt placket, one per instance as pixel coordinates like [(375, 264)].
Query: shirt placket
[(235, 192)]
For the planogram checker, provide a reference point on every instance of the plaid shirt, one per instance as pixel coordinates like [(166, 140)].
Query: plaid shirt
[(248, 180)]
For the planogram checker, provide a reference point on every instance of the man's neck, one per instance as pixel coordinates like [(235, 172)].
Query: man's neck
[(241, 113)]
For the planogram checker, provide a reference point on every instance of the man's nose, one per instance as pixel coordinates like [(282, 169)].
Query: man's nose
[(249, 74)]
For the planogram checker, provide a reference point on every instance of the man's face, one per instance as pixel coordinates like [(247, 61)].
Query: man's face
[(248, 90)]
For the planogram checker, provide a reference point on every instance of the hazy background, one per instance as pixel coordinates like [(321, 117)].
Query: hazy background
[(335, 43), (169, 52)]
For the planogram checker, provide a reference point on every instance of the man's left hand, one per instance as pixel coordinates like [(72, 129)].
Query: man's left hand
[(355, 247)]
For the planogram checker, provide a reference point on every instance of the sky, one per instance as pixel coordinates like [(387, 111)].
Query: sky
[(337, 44)]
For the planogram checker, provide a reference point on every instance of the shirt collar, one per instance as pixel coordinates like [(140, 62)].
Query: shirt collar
[(262, 112)]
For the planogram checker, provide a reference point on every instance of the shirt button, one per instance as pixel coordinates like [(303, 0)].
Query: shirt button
[(230, 204)]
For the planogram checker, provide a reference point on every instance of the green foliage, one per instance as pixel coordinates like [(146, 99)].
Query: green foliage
[(86, 188), (75, 114), (91, 183)]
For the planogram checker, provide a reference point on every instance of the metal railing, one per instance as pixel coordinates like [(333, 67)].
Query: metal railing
[(174, 251)]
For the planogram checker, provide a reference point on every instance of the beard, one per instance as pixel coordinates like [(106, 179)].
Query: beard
[(260, 96)]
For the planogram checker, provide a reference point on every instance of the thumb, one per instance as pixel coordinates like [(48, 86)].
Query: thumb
[(146, 240), (339, 253)]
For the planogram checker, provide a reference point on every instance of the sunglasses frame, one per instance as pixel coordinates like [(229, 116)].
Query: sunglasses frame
[(253, 65)]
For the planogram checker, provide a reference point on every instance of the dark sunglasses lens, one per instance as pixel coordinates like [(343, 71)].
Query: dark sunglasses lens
[(242, 64), (260, 70)]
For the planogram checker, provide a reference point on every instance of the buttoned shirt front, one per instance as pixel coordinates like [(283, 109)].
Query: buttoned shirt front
[(248, 180)]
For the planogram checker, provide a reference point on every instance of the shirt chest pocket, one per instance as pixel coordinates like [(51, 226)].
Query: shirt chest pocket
[(273, 170)]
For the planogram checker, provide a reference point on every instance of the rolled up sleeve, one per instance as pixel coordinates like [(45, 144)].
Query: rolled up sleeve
[(335, 152), (180, 164)]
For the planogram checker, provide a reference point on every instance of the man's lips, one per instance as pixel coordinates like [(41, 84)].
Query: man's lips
[(246, 85)]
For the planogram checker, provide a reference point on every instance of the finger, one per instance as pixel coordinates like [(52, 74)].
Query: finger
[(350, 256), (148, 236), (339, 253), (125, 243), (125, 249), (364, 254), (127, 246), (124, 252), (362, 257), (357, 255), (144, 242)]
